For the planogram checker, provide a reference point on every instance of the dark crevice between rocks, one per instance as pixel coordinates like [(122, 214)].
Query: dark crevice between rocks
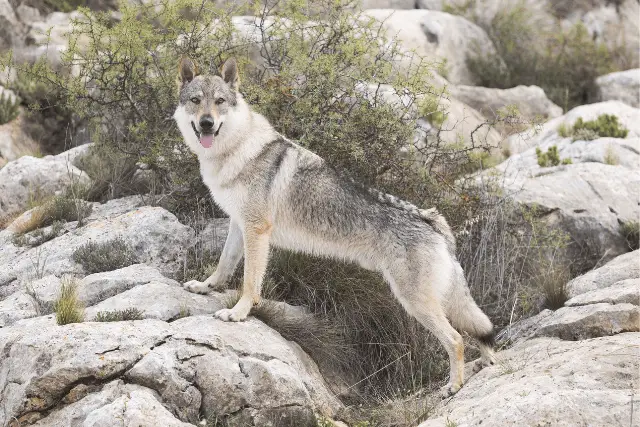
[(111, 350)]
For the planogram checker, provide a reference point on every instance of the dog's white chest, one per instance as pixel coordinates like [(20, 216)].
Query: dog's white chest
[(229, 198)]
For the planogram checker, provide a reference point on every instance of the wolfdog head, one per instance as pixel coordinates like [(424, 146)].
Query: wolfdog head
[(211, 112)]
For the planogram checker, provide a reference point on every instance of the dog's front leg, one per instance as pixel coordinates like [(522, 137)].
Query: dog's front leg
[(231, 256), (256, 255)]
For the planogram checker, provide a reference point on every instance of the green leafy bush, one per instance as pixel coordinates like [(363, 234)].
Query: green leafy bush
[(551, 157), (119, 315), (564, 62), (606, 125), (9, 108), (68, 307), (106, 256)]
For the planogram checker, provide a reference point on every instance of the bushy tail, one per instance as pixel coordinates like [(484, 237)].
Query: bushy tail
[(463, 312)]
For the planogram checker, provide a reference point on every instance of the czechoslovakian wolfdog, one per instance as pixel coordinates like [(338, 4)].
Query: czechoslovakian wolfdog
[(278, 193)]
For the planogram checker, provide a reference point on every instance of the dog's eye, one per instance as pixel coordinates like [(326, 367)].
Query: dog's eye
[(195, 100), (219, 101)]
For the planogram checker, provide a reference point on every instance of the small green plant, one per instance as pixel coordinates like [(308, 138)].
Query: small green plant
[(184, 312), (68, 307), (551, 157), (9, 108), (606, 125), (119, 315), (564, 131), (450, 423), (610, 156), (105, 256), (631, 232)]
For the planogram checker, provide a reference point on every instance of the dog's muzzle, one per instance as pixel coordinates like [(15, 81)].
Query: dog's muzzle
[(195, 130)]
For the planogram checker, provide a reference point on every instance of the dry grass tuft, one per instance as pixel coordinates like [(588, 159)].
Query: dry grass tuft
[(68, 307)]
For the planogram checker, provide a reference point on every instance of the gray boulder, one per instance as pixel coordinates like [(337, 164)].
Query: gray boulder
[(531, 101), (131, 405), (623, 268), (38, 297), (161, 301), (589, 201), (620, 86), (591, 197), (437, 36), (28, 176), (550, 382), (576, 323), (243, 372), (10, 28), (155, 236), (42, 361), (100, 286), (625, 291), (14, 142)]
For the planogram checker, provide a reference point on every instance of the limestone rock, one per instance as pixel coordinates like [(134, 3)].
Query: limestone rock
[(437, 36), (531, 101), (624, 291), (159, 301), (129, 404), (244, 372), (26, 176), (155, 236), (620, 86), (622, 268), (550, 382)]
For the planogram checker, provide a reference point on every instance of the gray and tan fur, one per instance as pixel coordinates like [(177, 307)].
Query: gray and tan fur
[(279, 194)]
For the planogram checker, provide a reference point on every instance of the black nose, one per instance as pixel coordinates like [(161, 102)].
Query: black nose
[(206, 123)]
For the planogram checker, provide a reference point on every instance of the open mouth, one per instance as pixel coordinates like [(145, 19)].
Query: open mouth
[(206, 138)]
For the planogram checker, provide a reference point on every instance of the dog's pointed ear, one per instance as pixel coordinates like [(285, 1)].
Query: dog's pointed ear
[(187, 71), (230, 73)]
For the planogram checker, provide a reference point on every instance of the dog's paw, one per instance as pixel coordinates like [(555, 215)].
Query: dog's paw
[(449, 390), (197, 287), (230, 315)]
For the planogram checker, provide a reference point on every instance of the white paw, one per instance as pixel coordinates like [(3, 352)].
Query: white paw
[(197, 287), (230, 315), (450, 389)]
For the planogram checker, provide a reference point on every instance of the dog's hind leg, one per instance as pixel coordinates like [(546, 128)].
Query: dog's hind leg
[(256, 254), (465, 315), (229, 259), (416, 293)]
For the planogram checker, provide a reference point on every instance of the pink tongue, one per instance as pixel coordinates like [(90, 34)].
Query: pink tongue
[(206, 140)]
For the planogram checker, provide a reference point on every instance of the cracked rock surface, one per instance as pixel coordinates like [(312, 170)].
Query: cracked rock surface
[(194, 367)]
